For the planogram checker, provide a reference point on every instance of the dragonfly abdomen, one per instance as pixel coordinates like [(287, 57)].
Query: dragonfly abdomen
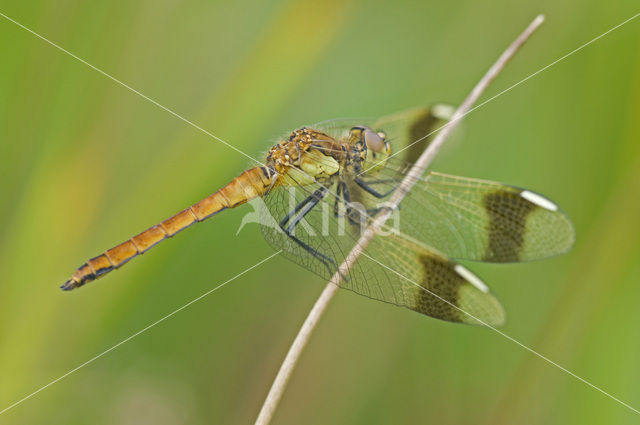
[(250, 184)]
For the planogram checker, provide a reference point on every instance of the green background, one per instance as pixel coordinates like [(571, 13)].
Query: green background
[(86, 164)]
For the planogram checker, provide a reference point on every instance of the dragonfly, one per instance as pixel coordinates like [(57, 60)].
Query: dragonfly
[(322, 185)]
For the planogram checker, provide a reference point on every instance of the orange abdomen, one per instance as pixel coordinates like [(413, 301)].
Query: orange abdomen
[(250, 184)]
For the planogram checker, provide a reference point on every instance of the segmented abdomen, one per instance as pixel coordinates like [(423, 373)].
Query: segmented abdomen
[(250, 184)]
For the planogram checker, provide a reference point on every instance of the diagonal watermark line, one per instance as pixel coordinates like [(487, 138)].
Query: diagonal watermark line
[(492, 98), (109, 76), (531, 350), (259, 162), (136, 334), (541, 356)]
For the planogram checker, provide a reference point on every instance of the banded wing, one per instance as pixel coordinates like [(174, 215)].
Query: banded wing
[(478, 220), (432, 284), (394, 268), (409, 131)]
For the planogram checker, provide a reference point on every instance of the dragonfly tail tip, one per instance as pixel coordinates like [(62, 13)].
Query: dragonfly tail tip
[(68, 285)]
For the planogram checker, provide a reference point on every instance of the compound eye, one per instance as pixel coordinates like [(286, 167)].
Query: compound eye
[(374, 141)]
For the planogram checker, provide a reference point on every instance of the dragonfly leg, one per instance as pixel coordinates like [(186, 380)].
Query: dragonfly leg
[(319, 194), (354, 215), (343, 197), (366, 186), (295, 217)]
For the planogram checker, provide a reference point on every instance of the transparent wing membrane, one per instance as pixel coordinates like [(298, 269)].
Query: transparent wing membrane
[(317, 223), (431, 284), (481, 220), (409, 132), (428, 282)]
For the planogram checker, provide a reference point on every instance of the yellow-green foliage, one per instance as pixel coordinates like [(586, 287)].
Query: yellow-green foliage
[(86, 164)]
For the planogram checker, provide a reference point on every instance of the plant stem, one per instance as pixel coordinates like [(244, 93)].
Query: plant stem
[(290, 361)]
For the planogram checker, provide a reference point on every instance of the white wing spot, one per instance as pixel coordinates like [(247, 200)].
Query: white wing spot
[(443, 111), (539, 200), (471, 278)]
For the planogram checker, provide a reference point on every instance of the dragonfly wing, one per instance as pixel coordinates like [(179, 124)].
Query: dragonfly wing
[(426, 281), (318, 241), (481, 220), (393, 269), (409, 131)]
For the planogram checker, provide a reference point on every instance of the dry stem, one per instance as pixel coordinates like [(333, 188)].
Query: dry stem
[(280, 382)]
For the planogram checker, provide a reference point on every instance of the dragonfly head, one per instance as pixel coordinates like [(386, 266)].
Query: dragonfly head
[(377, 147)]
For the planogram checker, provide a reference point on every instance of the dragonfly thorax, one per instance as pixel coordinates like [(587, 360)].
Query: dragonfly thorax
[(289, 152), (310, 155)]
